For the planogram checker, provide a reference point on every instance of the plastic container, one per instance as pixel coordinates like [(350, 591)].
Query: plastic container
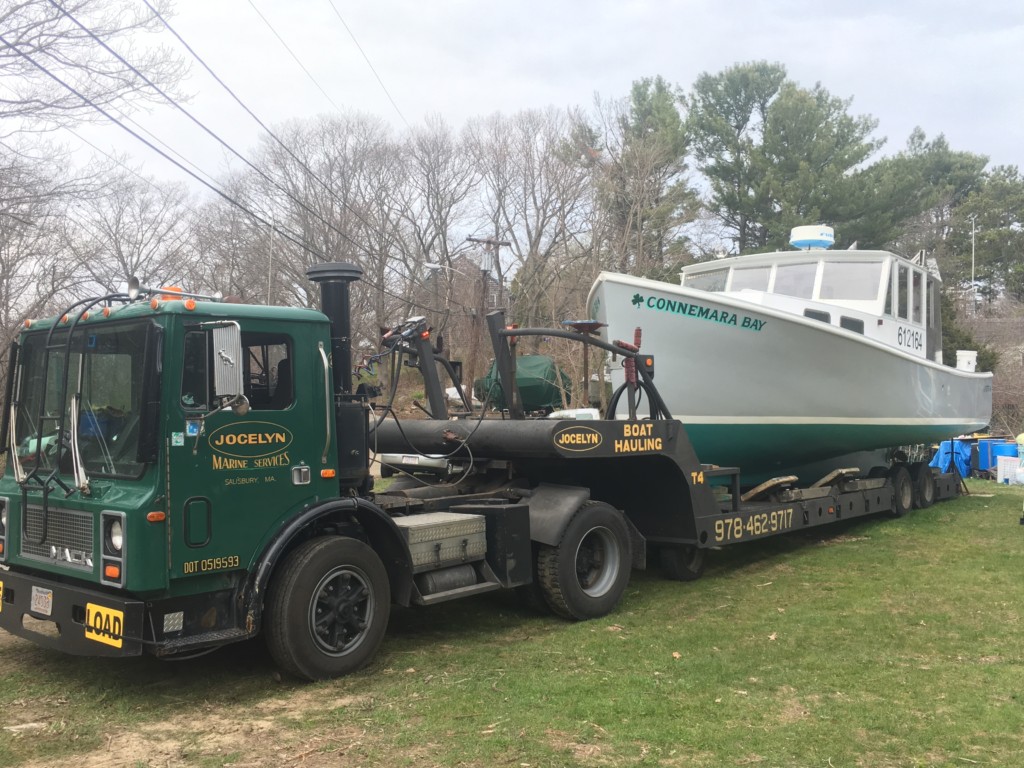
[(985, 460), (1004, 449)]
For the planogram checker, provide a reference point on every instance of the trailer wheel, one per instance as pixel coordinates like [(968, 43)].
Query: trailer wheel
[(924, 485), (682, 563), (327, 608), (903, 487), (585, 575)]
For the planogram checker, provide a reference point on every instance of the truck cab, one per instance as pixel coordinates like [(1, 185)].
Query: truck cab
[(154, 450)]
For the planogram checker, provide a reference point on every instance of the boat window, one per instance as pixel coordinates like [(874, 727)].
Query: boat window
[(795, 280), (916, 297), (888, 297), (901, 293), (852, 324), (933, 338), (707, 281), (851, 280), (755, 278), (815, 314)]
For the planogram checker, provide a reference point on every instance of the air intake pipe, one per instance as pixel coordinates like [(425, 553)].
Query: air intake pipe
[(334, 279)]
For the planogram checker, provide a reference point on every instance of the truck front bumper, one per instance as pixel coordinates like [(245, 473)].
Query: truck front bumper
[(83, 622)]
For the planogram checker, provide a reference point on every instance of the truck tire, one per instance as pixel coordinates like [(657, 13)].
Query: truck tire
[(327, 608), (585, 575), (903, 488), (682, 563), (924, 485)]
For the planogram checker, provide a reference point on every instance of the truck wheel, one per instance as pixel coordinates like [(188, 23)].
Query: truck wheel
[(586, 574), (682, 563), (904, 490), (924, 485), (327, 608), (531, 595)]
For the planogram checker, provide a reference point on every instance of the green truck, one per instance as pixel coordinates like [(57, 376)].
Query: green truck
[(185, 472)]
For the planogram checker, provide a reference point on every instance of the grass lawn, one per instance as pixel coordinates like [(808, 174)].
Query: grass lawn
[(873, 643)]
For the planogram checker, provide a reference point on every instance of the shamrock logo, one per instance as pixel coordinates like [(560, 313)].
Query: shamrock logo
[(637, 299)]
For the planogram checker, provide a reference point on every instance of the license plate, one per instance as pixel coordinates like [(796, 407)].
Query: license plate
[(104, 625), (42, 601)]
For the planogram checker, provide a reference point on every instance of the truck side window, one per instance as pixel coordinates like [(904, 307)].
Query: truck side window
[(195, 377), (268, 370)]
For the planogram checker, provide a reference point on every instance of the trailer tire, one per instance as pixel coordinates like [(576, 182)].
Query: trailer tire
[(924, 485), (327, 608), (903, 490), (585, 575), (682, 563)]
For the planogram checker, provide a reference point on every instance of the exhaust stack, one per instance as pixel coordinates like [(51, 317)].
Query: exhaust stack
[(334, 279)]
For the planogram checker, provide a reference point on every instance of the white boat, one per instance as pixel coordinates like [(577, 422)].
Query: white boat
[(775, 361)]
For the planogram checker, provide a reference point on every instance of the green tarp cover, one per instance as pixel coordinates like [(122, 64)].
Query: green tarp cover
[(536, 376)]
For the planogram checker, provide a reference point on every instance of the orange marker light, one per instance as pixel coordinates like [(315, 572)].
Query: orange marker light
[(173, 293), (327, 474), (106, 311), (156, 517), (64, 319), (1, 547), (112, 572), (190, 304), (154, 303), (28, 323)]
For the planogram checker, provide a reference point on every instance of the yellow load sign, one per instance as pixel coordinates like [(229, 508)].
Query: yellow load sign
[(104, 625)]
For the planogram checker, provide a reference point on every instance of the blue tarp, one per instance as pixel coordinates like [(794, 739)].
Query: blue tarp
[(950, 451)]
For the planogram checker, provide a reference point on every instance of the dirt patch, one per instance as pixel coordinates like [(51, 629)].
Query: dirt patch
[(244, 736)]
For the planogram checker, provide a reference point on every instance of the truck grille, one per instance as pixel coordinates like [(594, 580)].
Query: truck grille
[(69, 537)]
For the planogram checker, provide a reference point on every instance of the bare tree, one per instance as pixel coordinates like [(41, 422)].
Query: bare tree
[(37, 272), (535, 195), (45, 32), (440, 179), (134, 227)]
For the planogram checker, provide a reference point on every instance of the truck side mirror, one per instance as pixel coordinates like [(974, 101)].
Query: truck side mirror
[(227, 362)]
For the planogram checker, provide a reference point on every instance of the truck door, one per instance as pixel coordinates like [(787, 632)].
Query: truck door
[(232, 476)]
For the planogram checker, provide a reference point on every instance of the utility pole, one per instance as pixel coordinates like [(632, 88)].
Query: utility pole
[(974, 288), (491, 245)]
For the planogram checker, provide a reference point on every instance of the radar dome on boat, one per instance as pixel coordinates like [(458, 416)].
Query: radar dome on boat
[(814, 236)]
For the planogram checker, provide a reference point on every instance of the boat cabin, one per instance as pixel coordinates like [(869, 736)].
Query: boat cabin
[(875, 293)]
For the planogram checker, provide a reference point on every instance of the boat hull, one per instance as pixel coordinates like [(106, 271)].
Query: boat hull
[(771, 392)]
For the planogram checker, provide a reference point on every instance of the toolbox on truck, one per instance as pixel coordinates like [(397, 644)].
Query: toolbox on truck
[(439, 539)]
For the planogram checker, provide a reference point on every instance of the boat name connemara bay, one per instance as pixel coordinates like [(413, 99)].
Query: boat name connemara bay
[(700, 312)]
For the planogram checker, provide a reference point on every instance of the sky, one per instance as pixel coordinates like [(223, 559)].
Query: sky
[(949, 66)]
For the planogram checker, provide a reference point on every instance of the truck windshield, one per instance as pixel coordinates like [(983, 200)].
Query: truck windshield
[(108, 361)]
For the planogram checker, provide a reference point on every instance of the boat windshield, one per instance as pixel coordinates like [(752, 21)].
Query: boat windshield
[(851, 280), (109, 362), (706, 281)]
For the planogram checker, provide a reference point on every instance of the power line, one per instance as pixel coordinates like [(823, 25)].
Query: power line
[(219, 192), (297, 60), (241, 103), (312, 174), (170, 99), (369, 63)]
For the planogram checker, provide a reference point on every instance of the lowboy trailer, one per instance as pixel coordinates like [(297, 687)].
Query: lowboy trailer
[(183, 473)]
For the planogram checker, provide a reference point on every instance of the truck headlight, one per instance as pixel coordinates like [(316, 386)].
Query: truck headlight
[(115, 534)]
